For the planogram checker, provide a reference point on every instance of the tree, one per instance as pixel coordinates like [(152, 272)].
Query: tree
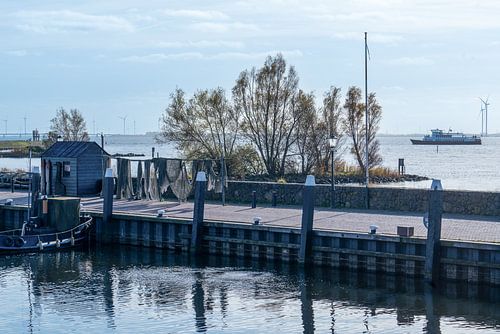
[(306, 132), (206, 126), (354, 122), (333, 119), (374, 117), (69, 126), (267, 99), (355, 126)]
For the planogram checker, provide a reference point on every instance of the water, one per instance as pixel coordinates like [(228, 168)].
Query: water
[(459, 167), (132, 290), (469, 167)]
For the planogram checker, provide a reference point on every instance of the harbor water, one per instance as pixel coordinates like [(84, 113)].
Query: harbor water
[(468, 167), (134, 290)]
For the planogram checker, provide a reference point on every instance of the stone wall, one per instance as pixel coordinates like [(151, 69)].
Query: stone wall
[(353, 197)]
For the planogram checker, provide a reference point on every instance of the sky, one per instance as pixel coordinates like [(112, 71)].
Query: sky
[(430, 61)]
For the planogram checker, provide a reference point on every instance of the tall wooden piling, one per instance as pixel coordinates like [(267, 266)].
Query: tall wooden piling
[(432, 247), (107, 210), (35, 190), (199, 208), (307, 219)]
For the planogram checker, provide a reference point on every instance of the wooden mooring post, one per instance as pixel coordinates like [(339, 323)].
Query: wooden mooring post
[(307, 219), (108, 189), (199, 208), (35, 191), (432, 247), (401, 166)]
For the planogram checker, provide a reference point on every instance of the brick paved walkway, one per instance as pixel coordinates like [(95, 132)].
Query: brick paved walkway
[(464, 228)]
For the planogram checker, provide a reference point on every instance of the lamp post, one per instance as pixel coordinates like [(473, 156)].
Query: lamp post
[(332, 141)]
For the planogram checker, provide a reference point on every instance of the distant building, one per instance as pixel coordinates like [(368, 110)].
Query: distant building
[(73, 168)]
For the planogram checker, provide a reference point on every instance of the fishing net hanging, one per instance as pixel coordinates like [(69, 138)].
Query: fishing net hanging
[(124, 182), (153, 183), (161, 172), (207, 167), (182, 186), (218, 178), (147, 179), (140, 192), (174, 167)]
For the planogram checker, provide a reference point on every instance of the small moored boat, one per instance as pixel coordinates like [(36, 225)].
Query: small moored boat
[(31, 237)]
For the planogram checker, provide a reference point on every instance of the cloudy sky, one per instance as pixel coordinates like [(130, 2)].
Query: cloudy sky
[(430, 60)]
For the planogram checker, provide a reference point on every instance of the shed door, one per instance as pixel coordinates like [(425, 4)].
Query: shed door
[(59, 187)]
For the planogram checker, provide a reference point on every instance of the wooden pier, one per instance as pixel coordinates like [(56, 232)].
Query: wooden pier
[(469, 248)]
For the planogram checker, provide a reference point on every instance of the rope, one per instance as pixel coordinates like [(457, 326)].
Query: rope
[(86, 224)]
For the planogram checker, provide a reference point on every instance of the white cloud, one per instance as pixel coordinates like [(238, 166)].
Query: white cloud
[(404, 61), (196, 14), (17, 53), (412, 16), (212, 27), (66, 20), (159, 57), (256, 55), (201, 44), (393, 88), (372, 37)]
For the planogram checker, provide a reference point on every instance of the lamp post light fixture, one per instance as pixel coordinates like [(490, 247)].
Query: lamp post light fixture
[(332, 142)]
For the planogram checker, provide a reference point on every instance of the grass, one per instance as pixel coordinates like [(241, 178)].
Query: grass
[(19, 144)]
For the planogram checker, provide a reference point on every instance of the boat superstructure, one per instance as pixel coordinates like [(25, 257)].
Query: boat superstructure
[(440, 137)]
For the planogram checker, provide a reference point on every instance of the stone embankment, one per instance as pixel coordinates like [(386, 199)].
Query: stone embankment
[(340, 179), (354, 197)]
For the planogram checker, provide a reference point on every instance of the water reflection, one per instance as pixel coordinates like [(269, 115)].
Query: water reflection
[(199, 303), (124, 288)]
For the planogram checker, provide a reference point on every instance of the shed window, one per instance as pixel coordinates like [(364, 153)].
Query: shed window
[(66, 168)]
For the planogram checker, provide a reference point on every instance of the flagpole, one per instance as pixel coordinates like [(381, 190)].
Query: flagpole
[(367, 172)]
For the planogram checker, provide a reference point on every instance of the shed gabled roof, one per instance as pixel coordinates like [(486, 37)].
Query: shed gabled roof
[(69, 149)]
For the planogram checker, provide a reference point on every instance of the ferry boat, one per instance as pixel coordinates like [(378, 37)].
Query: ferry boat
[(439, 137)]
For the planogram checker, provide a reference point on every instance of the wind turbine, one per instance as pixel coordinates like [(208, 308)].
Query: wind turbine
[(481, 112), (123, 118), (486, 104)]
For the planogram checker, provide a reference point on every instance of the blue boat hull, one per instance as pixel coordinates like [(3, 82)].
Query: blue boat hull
[(14, 242)]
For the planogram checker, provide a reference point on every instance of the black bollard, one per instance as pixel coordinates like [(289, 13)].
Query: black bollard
[(275, 198), (254, 199), (107, 210), (198, 212), (307, 219), (432, 247)]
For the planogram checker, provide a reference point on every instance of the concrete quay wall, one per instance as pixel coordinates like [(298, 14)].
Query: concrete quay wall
[(354, 197), (460, 261)]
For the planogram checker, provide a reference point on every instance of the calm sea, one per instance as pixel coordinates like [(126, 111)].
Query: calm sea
[(133, 290), (459, 167)]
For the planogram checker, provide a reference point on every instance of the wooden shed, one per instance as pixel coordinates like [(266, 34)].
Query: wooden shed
[(73, 168)]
